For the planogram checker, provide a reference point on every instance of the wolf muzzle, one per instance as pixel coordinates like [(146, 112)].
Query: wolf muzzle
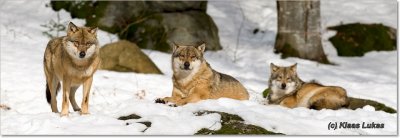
[(82, 54), (283, 86), (186, 65)]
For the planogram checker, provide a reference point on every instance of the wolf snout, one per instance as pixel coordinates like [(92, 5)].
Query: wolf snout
[(283, 85), (82, 54), (186, 65)]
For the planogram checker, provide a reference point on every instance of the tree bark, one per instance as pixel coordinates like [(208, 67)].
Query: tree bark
[(299, 30)]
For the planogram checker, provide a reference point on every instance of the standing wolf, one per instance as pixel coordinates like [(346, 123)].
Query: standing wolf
[(195, 80), (288, 90), (71, 59)]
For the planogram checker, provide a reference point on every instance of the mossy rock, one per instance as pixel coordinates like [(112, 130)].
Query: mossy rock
[(357, 39), (176, 6), (134, 116), (148, 34), (146, 123), (355, 103), (124, 56), (233, 125), (89, 10), (149, 24), (131, 116)]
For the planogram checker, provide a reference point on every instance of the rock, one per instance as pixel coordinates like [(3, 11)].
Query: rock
[(149, 24), (357, 39), (125, 56), (134, 116), (191, 27), (131, 116), (355, 103), (146, 123), (176, 6)]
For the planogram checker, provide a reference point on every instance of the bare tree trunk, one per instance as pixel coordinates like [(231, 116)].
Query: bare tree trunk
[(299, 30)]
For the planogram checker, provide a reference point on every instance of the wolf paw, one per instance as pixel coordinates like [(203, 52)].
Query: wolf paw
[(159, 100), (85, 113), (64, 115), (173, 105)]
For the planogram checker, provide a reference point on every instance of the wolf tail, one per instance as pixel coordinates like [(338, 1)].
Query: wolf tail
[(48, 94)]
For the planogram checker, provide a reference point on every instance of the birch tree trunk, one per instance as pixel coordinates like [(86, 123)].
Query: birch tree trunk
[(299, 30)]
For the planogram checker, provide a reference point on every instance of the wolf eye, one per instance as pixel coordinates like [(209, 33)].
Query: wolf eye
[(181, 56), (89, 43), (279, 77), (289, 79), (193, 57), (74, 42)]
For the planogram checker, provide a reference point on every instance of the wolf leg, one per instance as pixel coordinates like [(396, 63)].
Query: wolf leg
[(197, 94), (176, 95), (85, 100), (172, 99), (65, 102), (190, 99), (165, 100), (72, 98), (289, 102)]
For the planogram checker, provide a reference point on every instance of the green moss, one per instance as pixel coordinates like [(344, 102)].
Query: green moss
[(233, 124), (357, 39), (266, 92), (355, 103), (204, 5)]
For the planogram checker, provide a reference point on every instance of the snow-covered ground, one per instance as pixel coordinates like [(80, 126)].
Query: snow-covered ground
[(115, 94)]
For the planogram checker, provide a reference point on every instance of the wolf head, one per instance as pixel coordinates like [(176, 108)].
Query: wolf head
[(283, 80), (81, 42), (187, 58)]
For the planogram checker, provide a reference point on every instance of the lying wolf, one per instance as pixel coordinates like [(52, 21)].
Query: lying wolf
[(288, 90), (195, 80)]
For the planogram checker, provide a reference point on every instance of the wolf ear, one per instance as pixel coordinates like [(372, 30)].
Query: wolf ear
[(202, 47), (293, 67), (72, 27), (273, 67), (93, 30), (174, 46)]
